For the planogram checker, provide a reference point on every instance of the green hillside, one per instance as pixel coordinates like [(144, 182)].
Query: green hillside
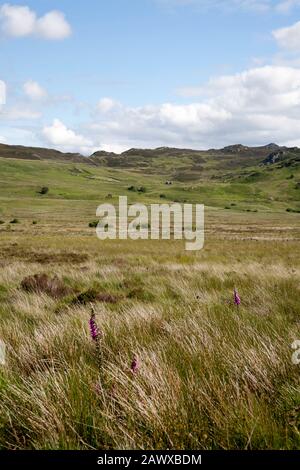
[(213, 375), (236, 178)]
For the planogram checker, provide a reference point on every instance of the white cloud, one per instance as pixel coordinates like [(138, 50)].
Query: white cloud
[(17, 21), (105, 105), (66, 139), (53, 26), (20, 21), (254, 107), (34, 90), (115, 148), (268, 88), (289, 37)]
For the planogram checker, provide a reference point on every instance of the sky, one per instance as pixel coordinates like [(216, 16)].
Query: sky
[(90, 75)]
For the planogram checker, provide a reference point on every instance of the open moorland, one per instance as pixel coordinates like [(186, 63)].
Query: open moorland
[(210, 374)]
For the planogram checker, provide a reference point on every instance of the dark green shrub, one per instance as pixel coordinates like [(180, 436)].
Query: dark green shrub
[(43, 190), (289, 209), (93, 224)]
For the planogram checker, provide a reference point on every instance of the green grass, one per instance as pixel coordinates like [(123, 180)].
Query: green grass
[(268, 191), (211, 375)]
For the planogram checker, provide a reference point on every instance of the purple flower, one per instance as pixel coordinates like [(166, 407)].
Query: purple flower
[(236, 297), (95, 333), (135, 365)]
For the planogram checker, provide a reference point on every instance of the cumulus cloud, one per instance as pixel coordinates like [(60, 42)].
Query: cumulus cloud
[(20, 21), (106, 105), (268, 88), (53, 25), (256, 106), (115, 148), (66, 139), (34, 90), (289, 37)]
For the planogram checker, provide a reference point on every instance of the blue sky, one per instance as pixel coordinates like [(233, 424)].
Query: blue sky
[(113, 74)]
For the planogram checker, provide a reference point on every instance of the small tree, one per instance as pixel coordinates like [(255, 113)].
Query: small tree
[(44, 190), (93, 224)]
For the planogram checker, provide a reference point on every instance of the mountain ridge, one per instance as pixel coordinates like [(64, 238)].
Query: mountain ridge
[(40, 153), (178, 163)]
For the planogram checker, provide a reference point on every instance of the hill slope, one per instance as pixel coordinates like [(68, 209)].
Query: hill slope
[(37, 153), (180, 163), (189, 165), (236, 178)]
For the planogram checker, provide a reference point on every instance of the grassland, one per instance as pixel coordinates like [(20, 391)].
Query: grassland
[(211, 375)]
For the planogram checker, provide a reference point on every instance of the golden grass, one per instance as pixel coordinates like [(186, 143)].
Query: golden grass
[(211, 375)]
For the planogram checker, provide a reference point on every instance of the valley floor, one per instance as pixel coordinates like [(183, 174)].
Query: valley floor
[(211, 375)]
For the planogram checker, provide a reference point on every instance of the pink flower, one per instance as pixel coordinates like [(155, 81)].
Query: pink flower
[(97, 388), (135, 365), (236, 297), (94, 330)]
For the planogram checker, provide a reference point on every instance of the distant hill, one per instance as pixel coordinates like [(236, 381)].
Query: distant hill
[(36, 153), (235, 177), (181, 165), (187, 165)]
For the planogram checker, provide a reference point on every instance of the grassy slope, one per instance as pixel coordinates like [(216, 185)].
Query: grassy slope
[(211, 376), (258, 188)]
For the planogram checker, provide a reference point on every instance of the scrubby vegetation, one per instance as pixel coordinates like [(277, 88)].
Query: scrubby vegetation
[(210, 375), (178, 364), (93, 224), (44, 190)]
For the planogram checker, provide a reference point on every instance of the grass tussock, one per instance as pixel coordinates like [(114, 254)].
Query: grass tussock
[(209, 374)]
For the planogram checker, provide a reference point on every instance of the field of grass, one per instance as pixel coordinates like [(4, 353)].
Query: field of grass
[(211, 375)]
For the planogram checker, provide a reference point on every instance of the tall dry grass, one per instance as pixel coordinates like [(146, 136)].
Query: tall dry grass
[(211, 375)]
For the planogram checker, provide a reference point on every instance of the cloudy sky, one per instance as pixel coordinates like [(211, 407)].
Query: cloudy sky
[(114, 74)]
